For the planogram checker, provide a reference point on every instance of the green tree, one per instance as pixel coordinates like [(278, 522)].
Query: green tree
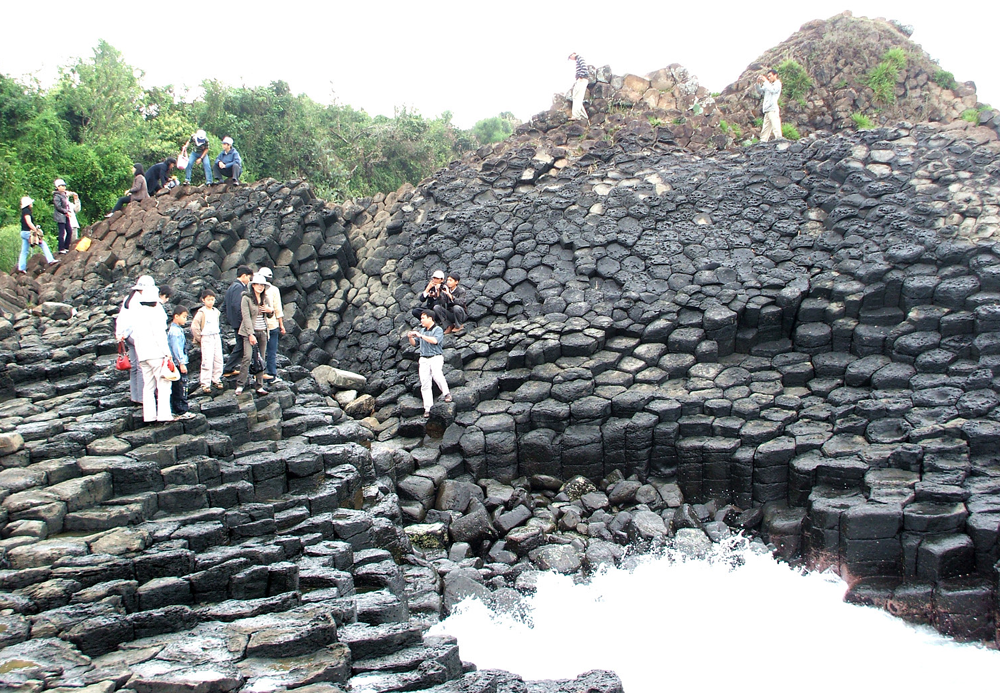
[(491, 130)]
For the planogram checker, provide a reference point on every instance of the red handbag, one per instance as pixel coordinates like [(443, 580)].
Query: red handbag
[(122, 363)]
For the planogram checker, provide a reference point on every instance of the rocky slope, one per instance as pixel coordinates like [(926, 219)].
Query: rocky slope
[(794, 339)]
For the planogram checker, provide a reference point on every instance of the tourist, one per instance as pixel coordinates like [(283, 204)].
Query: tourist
[(769, 87), (74, 208), (229, 163), (177, 342), (123, 333), (234, 298), (451, 309), (60, 212), (431, 362), (158, 176), (205, 332), (31, 236), (579, 87), (148, 322), (430, 297), (275, 327), (254, 309), (137, 193), (200, 141)]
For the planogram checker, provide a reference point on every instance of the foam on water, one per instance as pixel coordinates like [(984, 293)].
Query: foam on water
[(737, 619)]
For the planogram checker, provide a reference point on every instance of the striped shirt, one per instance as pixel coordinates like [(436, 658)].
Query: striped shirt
[(581, 68)]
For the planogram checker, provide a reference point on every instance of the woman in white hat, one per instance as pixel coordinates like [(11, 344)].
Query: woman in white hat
[(148, 322), (254, 307), (31, 235), (123, 333)]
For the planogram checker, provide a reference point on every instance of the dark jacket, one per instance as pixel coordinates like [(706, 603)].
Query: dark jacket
[(157, 176), (457, 297), (60, 205), (234, 294)]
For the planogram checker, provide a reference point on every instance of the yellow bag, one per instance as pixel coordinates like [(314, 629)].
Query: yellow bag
[(84, 245)]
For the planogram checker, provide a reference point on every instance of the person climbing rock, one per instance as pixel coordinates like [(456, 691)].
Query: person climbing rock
[(579, 87)]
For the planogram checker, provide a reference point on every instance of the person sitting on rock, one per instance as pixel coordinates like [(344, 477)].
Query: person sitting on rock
[(769, 87), (229, 163), (431, 362), (31, 236), (158, 175), (200, 156), (430, 297), (579, 87), (234, 297), (451, 309), (137, 193)]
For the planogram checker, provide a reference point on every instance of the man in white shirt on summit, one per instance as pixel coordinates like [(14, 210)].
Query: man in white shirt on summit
[(769, 86)]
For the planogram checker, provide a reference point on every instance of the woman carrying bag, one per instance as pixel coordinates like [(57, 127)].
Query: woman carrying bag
[(148, 321), (254, 308), (31, 236)]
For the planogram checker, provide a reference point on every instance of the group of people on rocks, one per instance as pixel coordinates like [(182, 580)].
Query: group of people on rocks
[(442, 302), (65, 205), (767, 86), (158, 351), (147, 182)]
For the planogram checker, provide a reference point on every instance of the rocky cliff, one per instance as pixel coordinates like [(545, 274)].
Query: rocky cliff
[(798, 340)]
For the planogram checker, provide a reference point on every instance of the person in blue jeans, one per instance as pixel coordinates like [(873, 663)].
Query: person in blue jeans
[(199, 156), (177, 343), (275, 327), (29, 230), (229, 163)]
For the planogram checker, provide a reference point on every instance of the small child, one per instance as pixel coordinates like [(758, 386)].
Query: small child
[(178, 351), (205, 331)]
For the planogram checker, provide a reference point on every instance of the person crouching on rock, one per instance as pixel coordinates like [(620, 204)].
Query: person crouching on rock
[(430, 297), (431, 362), (149, 332), (254, 308), (229, 163), (451, 310)]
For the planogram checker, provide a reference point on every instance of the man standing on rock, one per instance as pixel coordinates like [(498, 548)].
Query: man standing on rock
[(234, 295), (431, 361), (579, 87), (275, 326), (769, 87)]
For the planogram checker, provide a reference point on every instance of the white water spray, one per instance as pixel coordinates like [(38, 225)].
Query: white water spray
[(739, 620)]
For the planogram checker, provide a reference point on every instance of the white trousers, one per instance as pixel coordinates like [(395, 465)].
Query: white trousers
[(431, 369), (211, 360), (772, 126), (155, 392), (579, 92)]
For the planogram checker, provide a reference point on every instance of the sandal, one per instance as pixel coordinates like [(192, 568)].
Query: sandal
[(238, 391), (261, 391), (427, 415), (206, 390), (220, 386), (447, 398)]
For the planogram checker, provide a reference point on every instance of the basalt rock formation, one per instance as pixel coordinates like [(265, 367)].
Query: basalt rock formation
[(798, 340)]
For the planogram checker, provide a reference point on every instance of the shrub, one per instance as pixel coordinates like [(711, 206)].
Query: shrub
[(680, 120), (882, 77), (862, 122), (795, 81), (972, 114), (758, 122), (790, 132), (944, 79), (10, 245), (732, 129), (654, 121)]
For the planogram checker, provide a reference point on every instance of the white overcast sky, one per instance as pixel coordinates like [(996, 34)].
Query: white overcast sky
[(474, 59)]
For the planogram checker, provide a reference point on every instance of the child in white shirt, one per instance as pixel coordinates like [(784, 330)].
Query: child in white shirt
[(205, 331)]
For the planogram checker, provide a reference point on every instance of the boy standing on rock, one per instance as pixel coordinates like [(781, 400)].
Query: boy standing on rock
[(205, 331), (769, 87), (431, 362), (177, 342)]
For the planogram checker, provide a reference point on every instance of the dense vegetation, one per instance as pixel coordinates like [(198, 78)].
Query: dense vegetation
[(99, 118)]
